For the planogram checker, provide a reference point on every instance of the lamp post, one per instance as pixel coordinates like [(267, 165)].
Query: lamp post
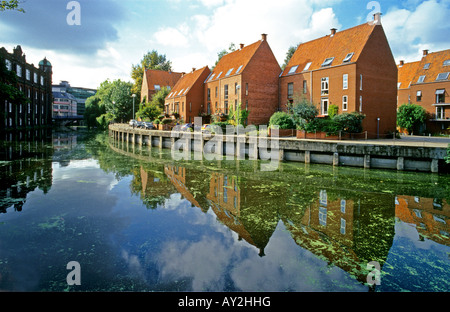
[(238, 112), (134, 96)]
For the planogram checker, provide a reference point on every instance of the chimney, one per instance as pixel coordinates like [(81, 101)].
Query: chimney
[(242, 46), (333, 31), (402, 62), (377, 18), (193, 69), (264, 37), (425, 52), (182, 74)]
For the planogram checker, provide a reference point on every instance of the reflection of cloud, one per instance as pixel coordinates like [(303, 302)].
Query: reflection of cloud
[(212, 261), (133, 263)]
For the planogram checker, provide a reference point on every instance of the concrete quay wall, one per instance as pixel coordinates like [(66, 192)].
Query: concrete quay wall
[(408, 157)]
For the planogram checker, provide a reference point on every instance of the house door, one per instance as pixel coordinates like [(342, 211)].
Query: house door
[(325, 106)]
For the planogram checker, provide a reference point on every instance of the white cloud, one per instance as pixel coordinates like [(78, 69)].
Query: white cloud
[(174, 37), (409, 31)]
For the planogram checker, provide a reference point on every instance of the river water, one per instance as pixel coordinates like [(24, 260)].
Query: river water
[(133, 219)]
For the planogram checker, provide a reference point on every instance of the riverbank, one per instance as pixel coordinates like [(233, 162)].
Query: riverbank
[(410, 154)]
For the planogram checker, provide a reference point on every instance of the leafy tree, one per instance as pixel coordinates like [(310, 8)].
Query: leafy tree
[(149, 111), (303, 112), (159, 98), (447, 158), (8, 90), (11, 5), (333, 110), (411, 116), (93, 110), (238, 116), (350, 122), (283, 120), (289, 54), (151, 60)]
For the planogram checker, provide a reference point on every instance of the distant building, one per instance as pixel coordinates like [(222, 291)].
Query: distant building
[(36, 84), (187, 96), (154, 80), (248, 76), (64, 105), (80, 94), (427, 83), (353, 69)]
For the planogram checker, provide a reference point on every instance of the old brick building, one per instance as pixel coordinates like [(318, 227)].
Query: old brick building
[(353, 69), (426, 83), (153, 80), (36, 84), (187, 96), (248, 76)]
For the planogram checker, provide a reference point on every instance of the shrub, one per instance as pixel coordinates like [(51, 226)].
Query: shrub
[(283, 120), (166, 121), (350, 122), (330, 126), (333, 111), (303, 112), (411, 116)]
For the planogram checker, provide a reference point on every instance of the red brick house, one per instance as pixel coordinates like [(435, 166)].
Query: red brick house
[(426, 83), (248, 76), (153, 80), (353, 69), (187, 96)]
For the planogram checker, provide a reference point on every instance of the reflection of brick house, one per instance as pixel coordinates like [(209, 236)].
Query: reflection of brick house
[(431, 216), (248, 76), (186, 97), (427, 83), (154, 80), (353, 69)]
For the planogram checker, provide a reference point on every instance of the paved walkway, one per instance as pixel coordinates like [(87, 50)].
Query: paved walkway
[(412, 140)]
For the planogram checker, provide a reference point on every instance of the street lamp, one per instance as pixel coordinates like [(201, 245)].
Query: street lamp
[(238, 112), (134, 96)]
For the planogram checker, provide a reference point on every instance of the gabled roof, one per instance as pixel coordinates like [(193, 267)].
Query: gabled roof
[(436, 66), (234, 63), (161, 78), (406, 74), (185, 83), (339, 46)]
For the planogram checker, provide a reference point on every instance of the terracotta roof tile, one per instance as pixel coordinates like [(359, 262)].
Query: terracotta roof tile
[(234, 61), (406, 74), (436, 67), (336, 46), (161, 78), (186, 82)]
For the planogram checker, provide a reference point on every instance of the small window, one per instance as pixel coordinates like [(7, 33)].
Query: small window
[(19, 70), (290, 90), (344, 102), (293, 69), (181, 92), (305, 86), (8, 65), (225, 91), (307, 66), (348, 57), (440, 96), (427, 66), (345, 81), (421, 79), (239, 69), (212, 77), (446, 63), (442, 76), (328, 62), (220, 74), (229, 72), (419, 96), (185, 91), (325, 85)]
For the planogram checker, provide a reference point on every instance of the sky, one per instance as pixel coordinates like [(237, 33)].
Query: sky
[(90, 41)]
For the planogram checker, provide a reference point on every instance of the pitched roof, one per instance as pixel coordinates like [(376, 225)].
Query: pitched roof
[(406, 74), (185, 83), (234, 63), (337, 46), (436, 66), (161, 78)]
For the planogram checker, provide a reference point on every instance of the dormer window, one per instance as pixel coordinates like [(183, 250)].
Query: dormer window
[(307, 66), (442, 76), (212, 77), (421, 79), (348, 57), (446, 63), (427, 66), (328, 62), (239, 69), (220, 74), (181, 91), (293, 69), (229, 72)]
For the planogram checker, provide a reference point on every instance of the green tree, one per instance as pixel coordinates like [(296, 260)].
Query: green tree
[(410, 117), (447, 158), (93, 110), (148, 111), (289, 54), (11, 5), (303, 112), (159, 98), (283, 120), (238, 116), (151, 60), (8, 90)]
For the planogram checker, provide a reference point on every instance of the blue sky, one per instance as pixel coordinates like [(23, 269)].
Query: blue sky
[(114, 34)]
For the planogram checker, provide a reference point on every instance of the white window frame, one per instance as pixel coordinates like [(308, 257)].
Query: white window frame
[(421, 79), (322, 106), (360, 103), (360, 82), (293, 69), (8, 64), (325, 85), (19, 70), (345, 81), (344, 102)]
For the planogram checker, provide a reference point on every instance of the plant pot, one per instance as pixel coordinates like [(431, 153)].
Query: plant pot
[(282, 132)]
